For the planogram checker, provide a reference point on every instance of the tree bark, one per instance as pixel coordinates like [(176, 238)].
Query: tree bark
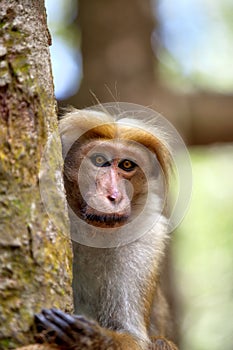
[(34, 255)]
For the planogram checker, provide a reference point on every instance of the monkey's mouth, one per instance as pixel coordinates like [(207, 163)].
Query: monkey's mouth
[(103, 219)]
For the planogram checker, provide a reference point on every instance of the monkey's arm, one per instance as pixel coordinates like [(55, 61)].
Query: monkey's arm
[(76, 332)]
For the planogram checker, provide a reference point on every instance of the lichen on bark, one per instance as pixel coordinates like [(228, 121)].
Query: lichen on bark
[(34, 254)]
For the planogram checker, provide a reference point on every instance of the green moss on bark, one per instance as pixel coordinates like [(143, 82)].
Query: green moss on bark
[(34, 255)]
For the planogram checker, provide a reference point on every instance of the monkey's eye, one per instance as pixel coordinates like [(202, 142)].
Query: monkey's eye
[(127, 165), (99, 160)]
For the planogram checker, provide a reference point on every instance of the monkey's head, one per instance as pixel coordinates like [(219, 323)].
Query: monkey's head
[(109, 167)]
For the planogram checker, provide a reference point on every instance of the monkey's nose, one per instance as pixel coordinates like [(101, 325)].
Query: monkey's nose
[(114, 196)]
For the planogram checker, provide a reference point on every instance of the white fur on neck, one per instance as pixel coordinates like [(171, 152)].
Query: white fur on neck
[(108, 283)]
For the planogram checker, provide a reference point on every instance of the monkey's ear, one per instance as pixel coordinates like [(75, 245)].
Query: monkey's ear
[(165, 159), (68, 174), (156, 168)]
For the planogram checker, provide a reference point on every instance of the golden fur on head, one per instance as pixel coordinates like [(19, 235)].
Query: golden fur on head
[(92, 124)]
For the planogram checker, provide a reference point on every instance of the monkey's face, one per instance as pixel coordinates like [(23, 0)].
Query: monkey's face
[(107, 181)]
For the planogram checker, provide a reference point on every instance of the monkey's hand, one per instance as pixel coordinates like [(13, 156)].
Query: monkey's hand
[(78, 333), (162, 344), (69, 331)]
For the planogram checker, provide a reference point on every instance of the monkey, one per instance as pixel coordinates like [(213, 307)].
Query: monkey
[(116, 175)]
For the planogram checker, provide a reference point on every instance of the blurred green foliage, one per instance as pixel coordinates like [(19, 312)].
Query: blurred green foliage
[(203, 253), (196, 43)]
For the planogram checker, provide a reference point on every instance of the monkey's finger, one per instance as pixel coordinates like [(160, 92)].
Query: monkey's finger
[(76, 321), (39, 322), (65, 322), (56, 319), (163, 344), (84, 320), (50, 326), (70, 319)]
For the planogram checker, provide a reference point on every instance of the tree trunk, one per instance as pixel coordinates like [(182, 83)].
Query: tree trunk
[(118, 61), (119, 64), (34, 270)]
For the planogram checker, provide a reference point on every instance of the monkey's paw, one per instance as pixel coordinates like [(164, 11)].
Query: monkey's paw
[(76, 332), (163, 344)]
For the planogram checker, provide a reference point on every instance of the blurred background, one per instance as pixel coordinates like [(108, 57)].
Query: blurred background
[(175, 57)]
